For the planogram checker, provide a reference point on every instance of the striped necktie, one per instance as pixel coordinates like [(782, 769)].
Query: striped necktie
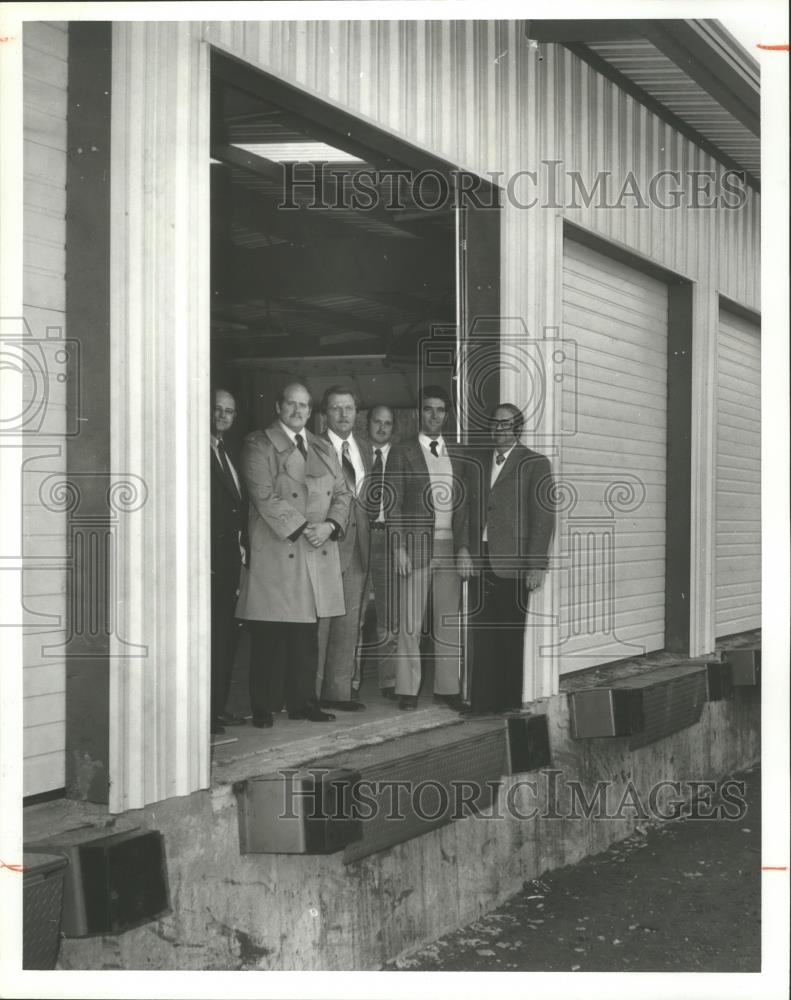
[(348, 468)]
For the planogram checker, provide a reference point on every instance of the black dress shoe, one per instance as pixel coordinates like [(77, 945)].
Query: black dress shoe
[(264, 721), (389, 692), (407, 702), (343, 706), (227, 719), (312, 714)]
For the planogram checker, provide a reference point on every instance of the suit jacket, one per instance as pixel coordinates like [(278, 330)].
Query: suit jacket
[(409, 513), (291, 581), (517, 511), (357, 534), (228, 521)]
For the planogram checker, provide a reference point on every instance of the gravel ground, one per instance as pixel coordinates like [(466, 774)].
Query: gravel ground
[(684, 896)]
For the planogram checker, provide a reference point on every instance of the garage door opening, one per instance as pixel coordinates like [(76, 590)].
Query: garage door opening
[(338, 255)]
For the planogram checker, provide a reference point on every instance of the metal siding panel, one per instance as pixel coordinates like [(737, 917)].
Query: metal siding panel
[(738, 524), (45, 51)]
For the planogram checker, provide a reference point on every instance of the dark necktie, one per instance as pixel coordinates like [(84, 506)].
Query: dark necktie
[(348, 468), (226, 467), (377, 478), (499, 458), (433, 446), (301, 445)]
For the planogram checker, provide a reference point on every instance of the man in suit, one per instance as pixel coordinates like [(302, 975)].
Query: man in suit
[(338, 636), (299, 508), (427, 529), (381, 422), (511, 522), (228, 554)]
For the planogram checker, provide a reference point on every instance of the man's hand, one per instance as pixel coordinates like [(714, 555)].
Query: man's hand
[(534, 578), (317, 534), (403, 562), (464, 564)]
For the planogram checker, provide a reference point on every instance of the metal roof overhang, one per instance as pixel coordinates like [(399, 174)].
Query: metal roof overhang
[(692, 73)]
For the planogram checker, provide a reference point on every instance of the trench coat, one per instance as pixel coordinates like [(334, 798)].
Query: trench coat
[(291, 581)]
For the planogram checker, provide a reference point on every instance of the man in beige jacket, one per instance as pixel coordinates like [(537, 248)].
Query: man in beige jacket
[(299, 508)]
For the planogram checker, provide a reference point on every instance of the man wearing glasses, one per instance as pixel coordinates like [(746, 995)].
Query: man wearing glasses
[(511, 526)]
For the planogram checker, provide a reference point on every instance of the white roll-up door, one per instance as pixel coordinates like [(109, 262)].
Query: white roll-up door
[(738, 545), (613, 458)]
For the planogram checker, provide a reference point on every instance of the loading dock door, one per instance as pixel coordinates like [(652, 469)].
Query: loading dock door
[(613, 459), (738, 538)]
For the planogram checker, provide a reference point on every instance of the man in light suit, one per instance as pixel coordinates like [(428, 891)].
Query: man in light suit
[(381, 422), (338, 636), (427, 529), (511, 521), (299, 508), (228, 554)]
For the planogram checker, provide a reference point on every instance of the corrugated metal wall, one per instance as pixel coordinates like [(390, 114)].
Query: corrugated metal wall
[(45, 52)]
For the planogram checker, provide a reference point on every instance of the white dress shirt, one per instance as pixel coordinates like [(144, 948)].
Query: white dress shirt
[(385, 450)]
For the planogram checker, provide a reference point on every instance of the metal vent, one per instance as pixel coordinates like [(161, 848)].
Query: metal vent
[(646, 707), (415, 784)]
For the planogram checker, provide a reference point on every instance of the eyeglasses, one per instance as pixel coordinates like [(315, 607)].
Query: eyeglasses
[(224, 411), (504, 424)]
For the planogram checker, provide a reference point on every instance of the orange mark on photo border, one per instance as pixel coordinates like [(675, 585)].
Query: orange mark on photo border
[(774, 868), (12, 868), (773, 48)]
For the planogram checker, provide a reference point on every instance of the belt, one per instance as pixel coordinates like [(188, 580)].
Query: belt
[(377, 525)]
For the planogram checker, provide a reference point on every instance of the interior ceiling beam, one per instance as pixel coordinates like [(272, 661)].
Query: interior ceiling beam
[(581, 31), (414, 306), (417, 224), (352, 267)]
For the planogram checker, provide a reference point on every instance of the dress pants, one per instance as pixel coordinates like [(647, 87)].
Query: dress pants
[(283, 659), (224, 638), (496, 635), (441, 579), (338, 662), (384, 583)]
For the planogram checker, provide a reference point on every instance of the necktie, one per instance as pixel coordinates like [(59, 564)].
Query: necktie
[(226, 467), (377, 477), (348, 468), (499, 458), (433, 446), (301, 445)]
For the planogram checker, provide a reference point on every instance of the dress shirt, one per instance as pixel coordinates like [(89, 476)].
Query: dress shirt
[(354, 456), (385, 450), (441, 472), (496, 470)]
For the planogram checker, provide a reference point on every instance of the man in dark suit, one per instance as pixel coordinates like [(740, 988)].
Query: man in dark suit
[(299, 508), (511, 522), (427, 529), (228, 554), (339, 636)]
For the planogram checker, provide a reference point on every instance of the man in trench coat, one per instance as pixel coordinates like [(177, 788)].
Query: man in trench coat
[(299, 508)]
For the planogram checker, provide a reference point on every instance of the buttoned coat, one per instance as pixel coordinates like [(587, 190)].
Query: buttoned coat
[(517, 511), (228, 523), (409, 511), (291, 581), (358, 533)]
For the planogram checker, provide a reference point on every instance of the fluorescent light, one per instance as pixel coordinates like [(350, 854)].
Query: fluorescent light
[(303, 152)]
